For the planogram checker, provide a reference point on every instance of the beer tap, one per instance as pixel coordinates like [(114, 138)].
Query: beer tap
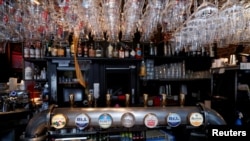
[(108, 99), (127, 96), (145, 99), (71, 100), (164, 100), (90, 100)]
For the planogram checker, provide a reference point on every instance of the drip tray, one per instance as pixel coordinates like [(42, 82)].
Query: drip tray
[(72, 139)]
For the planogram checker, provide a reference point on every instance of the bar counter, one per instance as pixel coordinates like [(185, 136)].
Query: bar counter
[(13, 123)]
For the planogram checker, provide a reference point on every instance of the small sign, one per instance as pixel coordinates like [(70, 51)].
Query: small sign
[(150, 120), (58, 121), (128, 120), (196, 119), (173, 119), (82, 121), (105, 121)]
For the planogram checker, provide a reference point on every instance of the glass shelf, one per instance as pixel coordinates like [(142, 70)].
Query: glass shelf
[(179, 79)]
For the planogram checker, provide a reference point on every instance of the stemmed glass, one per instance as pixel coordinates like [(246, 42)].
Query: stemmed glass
[(232, 14), (174, 14), (111, 12), (153, 14), (132, 11), (199, 28)]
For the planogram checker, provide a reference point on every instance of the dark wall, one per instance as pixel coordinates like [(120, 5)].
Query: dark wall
[(5, 68)]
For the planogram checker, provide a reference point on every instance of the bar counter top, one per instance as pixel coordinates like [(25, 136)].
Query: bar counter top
[(13, 120)]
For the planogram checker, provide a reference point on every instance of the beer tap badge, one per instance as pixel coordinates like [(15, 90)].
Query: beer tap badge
[(151, 120), (82, 121), (196, 119), (173, 119), (105, 121), (58, 121), (128, 120)]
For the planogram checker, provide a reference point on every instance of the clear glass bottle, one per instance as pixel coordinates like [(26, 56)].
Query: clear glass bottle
[(72, 49), (109, 51), (85, 50), (54, 50), (91, 51), (37, 49), (132, 53), (45, 96), (151, 49), (98, 51), (142, 69), (138, 52), (126, 52), (79, 48), (26, 50), (121, 52), (50, 44), (32, 50), (115, 52), (61, 49)]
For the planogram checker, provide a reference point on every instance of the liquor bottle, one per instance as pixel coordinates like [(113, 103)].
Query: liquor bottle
[(98, 51), (43, 48), (198, 51), (91, 51), (132, 53), (109, 51), (54, 50), (151, 49), (142, 69), (238, 121), (203, 51), (37, 50), (115, 52), (50, 44), (28, 74), (26, 50), (72, 49), (165, 49), (85, 50), (32, 51), (45, 96), (212, 50), (61, 50), (155, 50), (79, 48), (126, 52), (138, 52), (43, 74), (121, 52)]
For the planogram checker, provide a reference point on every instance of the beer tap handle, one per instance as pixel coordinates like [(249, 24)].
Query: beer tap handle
[(71, 100)]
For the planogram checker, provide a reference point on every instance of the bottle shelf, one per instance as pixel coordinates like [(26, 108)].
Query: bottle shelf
[(35, 59), (93, 58), (178, 57), (68, 83), (180, 79), (224, 68), (37, 80)]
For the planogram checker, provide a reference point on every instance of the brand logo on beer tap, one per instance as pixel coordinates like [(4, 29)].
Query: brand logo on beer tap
[(196, 119), (151, 120), (128, 120), (173, 119), (58, 121), (105, 121), (82, 121)]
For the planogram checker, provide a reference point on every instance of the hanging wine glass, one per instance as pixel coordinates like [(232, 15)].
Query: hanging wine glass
[(174, 14), (245, 35), (111, 11), (132, 12), (231, 12)]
